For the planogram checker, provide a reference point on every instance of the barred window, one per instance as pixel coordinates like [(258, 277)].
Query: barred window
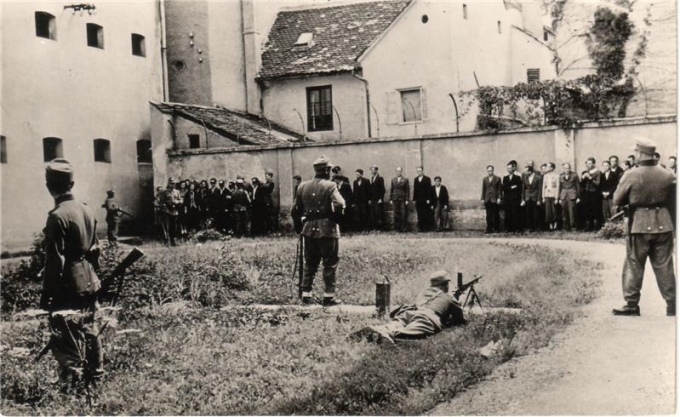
[(533, 75), (319, 108)]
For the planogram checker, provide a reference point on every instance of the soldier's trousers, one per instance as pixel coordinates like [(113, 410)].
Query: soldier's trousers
[(659, 249), (415, 324), (317, 250), (112, 231)]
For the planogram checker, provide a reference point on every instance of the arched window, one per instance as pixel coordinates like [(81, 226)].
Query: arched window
[(45, 25), (102, 150), (52, 148), (144, 151)]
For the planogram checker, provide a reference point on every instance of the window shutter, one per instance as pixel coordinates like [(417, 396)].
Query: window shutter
[(423, 104), (393, 107)]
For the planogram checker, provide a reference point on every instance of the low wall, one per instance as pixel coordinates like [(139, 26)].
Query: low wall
[(460, 159)]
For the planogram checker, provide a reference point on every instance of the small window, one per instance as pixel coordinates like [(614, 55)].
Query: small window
[(143, 151), (3, 150), (95, 36), (533, 75), (304, 39), (45, 25), (411, 105), (194, 141), (52, 149), (425, 19), (319, 108), (500, 28), (465, 15), (545, 35), (138, 45), (102, 150)]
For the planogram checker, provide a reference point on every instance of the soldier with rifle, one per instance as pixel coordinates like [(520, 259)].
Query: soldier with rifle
[(647, 191), (318, 205), (433, 310), (69, 278), (113, 214)]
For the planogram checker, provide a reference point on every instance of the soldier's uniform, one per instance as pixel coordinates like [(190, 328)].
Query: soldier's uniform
[(241, 208), (432, 310), (317, 203), (171, 202), (647, 190), (69, 279), (112, 217)]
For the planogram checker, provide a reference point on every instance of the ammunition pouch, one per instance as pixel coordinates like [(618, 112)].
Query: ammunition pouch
[(81, 279)]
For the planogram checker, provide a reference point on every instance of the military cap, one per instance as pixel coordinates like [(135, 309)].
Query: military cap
[(110, 192), (645, 146), (322, 163), (59, 170), (438, 278)]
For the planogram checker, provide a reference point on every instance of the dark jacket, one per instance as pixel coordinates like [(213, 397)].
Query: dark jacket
[(491, 189), (511, 188), (570, 188), (443, 199), (377, 188), (532, 191), (399, 190), (592, 184), (422, 191), (361, 193), (608, 183)]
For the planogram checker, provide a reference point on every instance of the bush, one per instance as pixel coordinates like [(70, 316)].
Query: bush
[(613, 230)]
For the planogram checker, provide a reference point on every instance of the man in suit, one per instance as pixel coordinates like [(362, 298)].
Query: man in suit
[(260, 208), (491, 198), (375, 203), (399, 197), (511, 194), (361, 194), (346, 192), (609, 182), (532, 189), (590, 195), (646, 190), (422, 197), (570, 191), (272, 217), (441, 204), (615, 168)]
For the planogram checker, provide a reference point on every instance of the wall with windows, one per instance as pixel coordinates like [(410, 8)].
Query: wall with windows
[(476, 44), (281, 99), (56, 86)]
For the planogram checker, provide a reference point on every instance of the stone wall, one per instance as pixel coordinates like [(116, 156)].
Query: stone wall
[(460, 159)]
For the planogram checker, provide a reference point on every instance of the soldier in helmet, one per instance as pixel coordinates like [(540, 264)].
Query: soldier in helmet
[(69, 278), (647, 190), (317, 204)]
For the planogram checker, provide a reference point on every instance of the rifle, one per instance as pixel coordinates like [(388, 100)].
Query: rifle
[(301, 264), (623, 212), (125, 213), (133, 256)]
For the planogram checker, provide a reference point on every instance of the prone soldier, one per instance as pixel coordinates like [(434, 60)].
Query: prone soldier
[(317, 204)]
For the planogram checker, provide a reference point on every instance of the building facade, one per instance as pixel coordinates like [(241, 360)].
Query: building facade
[(76, 84)]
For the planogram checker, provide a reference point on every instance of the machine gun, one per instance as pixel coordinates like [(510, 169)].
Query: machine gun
[(468, 287)]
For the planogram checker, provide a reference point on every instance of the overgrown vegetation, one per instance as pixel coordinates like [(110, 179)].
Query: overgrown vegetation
[(175, 352)]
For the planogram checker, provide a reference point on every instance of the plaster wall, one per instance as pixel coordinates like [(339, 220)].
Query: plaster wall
[(63, 88), (282, 97)]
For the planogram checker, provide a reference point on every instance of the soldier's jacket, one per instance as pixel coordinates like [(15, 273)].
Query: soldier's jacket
[(317, 201), (647, 189), (69, 234), (112, 213), (441, 304), (240, 200), (170, 202)]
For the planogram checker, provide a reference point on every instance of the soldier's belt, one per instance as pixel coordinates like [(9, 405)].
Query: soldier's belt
[(316, 216)]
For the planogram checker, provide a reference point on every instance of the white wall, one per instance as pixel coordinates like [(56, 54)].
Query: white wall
[(63, 88)]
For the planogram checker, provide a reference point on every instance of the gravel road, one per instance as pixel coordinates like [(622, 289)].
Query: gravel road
[(601, 365)]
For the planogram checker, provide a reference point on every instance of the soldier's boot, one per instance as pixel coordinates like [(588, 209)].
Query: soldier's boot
[(331, 301), (670, 309), (630, 309)]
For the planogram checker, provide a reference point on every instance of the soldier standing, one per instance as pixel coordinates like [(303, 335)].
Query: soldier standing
[(112, 217), (315, 204), (241, 205), (69, 278), (171, 203), (646, 190)]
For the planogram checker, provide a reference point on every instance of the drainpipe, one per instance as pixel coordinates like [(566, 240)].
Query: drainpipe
[(455, 107), (368, 102), (164, 60)]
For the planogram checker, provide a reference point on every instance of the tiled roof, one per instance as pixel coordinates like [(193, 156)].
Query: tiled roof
[(241, 128), (340, 35)]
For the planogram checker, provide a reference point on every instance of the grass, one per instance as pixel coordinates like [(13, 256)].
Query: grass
[(190, 357)]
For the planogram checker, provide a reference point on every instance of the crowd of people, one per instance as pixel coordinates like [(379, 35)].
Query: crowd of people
[(238, 207)]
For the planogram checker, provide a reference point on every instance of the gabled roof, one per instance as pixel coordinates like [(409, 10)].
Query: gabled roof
[(241, 128), (340, 35)]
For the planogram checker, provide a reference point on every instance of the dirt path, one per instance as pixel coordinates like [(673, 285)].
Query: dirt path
[(600, 365)]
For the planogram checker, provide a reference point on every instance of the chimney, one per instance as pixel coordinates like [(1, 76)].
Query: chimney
[(251, 56)]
